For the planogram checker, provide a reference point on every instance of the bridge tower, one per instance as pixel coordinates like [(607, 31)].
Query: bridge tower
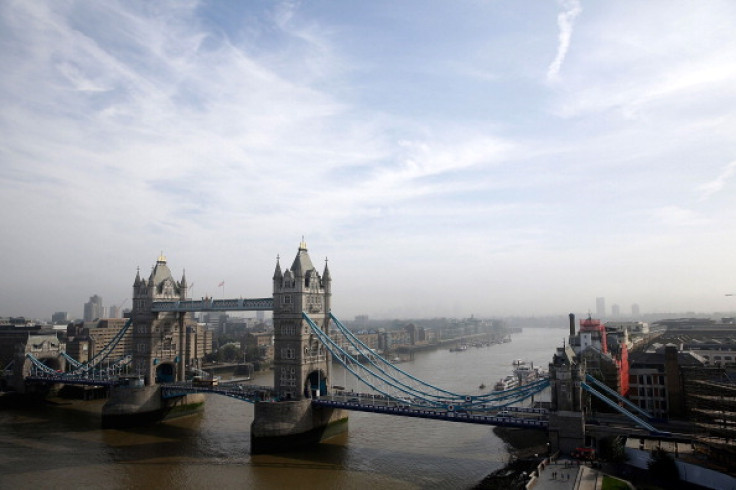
[(159, 339), (301, 362), (566, 418)]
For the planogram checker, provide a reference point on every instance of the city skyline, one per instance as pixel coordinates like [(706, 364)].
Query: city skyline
[(448, 159)]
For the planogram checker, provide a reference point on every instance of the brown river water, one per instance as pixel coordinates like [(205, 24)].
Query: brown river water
[(63, 447)]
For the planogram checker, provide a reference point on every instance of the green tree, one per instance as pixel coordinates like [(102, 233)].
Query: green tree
[(613, 449), (662, 467), (229, 353)]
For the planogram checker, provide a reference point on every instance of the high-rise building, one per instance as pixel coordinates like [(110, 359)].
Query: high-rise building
[(113, 312), (615, 310), (600, 307), (93, 309), (60, 318), (635, 310)]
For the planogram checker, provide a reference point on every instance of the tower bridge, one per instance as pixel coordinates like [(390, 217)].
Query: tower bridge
[(300, 407)]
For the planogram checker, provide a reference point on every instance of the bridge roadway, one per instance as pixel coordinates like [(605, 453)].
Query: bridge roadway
[(520, 417), (74, 380), (243, 392)]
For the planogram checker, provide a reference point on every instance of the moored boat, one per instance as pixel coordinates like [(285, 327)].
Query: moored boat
[(507, 383)]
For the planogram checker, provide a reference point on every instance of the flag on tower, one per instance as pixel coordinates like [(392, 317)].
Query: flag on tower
[(221, 284)]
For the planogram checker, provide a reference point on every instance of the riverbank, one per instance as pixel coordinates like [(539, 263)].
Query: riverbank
[(526, 449)]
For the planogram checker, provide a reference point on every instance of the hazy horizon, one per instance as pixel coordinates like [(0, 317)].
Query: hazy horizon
[(449, 158)]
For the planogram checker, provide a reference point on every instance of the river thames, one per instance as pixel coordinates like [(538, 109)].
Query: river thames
[(61, 448)]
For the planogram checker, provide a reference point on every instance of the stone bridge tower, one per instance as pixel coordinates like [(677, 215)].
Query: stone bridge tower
[(301, 362), (566, 417), (159, 338)]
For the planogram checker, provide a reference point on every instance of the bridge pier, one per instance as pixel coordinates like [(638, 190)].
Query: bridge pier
[(566, 431), (286, 425), (136, 404)]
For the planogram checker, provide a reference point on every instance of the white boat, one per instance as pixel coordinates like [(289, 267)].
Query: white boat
[(507, 383)]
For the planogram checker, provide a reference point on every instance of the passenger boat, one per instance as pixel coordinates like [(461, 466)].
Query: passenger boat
[(507, 383)]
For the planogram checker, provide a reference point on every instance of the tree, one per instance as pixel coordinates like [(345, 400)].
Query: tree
[(613, 449), (229, 353), (662, 467)]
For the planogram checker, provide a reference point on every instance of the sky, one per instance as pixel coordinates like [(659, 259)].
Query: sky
[(448, 158)]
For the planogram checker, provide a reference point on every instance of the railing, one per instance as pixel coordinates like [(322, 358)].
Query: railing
[(620, 409), (209, 304), (246, 393), (617, 396), (450, 416)]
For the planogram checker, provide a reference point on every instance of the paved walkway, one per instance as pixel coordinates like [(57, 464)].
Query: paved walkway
[(565, 474)]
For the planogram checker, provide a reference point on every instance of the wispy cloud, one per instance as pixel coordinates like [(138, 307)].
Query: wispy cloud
[(216, 130), (565, 22), (678, 216), (716, 185)]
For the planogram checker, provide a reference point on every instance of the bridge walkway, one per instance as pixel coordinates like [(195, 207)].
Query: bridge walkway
[(519, 417)]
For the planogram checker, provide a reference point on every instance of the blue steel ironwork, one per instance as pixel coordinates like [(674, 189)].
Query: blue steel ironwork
[(450, 416), (40, 366), (353, 340), (417, 395), (342, 356), (517, 394), (42, 372), (74, 380), (209, 304), (75, 364), (617, 396), (623, 411), (102, 355), (246, 393)]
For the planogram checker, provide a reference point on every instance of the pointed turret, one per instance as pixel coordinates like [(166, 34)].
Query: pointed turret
[(326, 274), (302, 262), (137, 281), (277, 273), (327, 278), (183, 286)]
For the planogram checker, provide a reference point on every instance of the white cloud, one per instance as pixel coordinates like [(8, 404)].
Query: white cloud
[(130, 128), (565, 22), (678, 216), (716, 185)]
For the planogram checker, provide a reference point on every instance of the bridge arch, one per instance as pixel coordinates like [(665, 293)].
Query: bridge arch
[(165, 372), (315, 384)]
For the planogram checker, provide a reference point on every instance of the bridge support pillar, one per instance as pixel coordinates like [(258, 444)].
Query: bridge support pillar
[(287, 425), (566, 431), (136, 405)]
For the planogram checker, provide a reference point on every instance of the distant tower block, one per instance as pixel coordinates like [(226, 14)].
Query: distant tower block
[(635, 310), (600, 307)]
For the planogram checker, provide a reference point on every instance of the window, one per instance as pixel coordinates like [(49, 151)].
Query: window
[(288, 376)]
